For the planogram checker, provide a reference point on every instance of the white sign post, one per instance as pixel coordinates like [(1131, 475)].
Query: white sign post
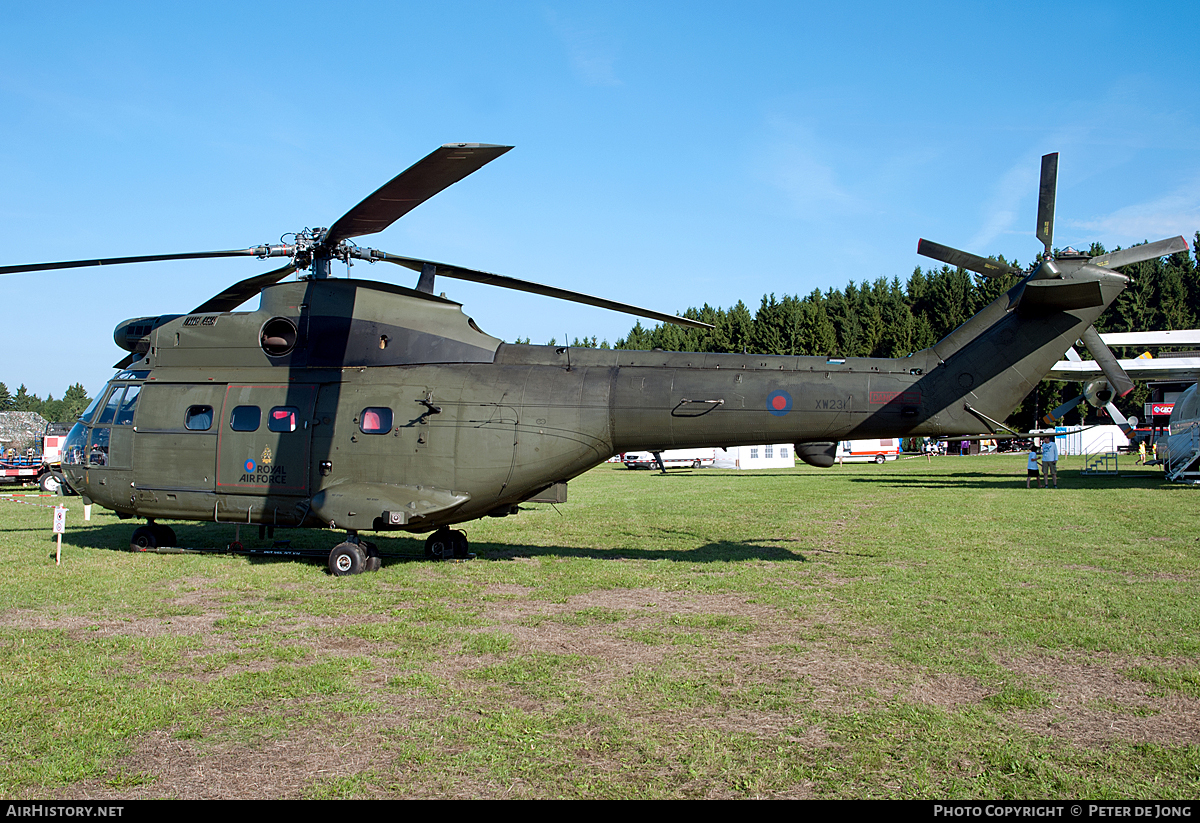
[(60, 526)]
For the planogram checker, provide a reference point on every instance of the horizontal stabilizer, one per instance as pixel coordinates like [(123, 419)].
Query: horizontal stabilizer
[(1047, 296)]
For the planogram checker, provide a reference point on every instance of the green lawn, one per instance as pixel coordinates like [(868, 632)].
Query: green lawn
[(897, 631)]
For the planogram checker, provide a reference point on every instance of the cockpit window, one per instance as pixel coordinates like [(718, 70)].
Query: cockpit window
[(110, 408), (198, 418), (128, 406), (245, 418), (86, 417)]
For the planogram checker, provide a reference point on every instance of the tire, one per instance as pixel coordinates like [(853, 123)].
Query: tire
[(458, 540), (144, 539), (438, 545), (347, 559), (695, 464), (49, 483), (165, 535), (879, 458), (374, 561)]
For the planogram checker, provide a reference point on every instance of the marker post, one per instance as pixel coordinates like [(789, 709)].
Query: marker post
[(60, 526)]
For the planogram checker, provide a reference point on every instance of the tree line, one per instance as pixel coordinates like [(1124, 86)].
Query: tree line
[(67, 409)]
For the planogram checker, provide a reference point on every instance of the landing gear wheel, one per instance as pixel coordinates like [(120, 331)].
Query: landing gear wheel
[(165, 535), (49, 483), (446, 543), (145, 538), (438, 545), (695, 464), (346, 559), (879, 458), (374, 561)]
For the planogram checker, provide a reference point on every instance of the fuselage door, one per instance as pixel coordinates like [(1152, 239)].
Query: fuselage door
[(264, 440)]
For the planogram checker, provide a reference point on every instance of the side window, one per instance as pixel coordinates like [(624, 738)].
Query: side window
[(245, 418), (376, 420), (128, 406), (98, 453), (283, 419), (198, 418)]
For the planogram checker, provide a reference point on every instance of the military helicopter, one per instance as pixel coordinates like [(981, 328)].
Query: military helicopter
[(360, 406)]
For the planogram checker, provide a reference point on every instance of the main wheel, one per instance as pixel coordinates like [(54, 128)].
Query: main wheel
[(374, 561), (439, 545), (695, 464), (165, 535), (145, 538), (49, 483), (347, 558), (879, 458), (458, 540)]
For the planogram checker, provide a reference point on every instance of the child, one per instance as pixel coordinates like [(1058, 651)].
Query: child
[(1031, 467)]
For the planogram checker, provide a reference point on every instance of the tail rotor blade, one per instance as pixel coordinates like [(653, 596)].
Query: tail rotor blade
[(1046, 196), (1116, 376), (964, 259), (1136, 254)]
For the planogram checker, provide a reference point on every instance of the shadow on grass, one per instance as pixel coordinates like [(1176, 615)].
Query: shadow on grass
[(313, 545), (1067, 479)]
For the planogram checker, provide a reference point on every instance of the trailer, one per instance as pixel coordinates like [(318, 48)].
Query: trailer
[(37, 466)]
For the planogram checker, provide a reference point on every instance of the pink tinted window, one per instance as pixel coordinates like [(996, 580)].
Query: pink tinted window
[(283, 419), (376, 420)]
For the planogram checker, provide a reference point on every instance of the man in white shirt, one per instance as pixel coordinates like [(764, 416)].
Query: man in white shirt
[(1049, 462)]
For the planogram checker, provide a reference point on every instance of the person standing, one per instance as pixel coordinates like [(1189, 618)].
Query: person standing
[(1141, 452), (1031, 467), (1049, 462)]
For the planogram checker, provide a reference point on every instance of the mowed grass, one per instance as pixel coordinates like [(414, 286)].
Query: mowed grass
[(908, 630)]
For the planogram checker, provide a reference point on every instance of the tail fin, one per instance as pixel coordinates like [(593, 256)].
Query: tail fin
[(979, 372)]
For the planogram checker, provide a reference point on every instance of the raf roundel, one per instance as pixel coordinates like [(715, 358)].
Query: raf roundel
[(779, 403), (250, 466)]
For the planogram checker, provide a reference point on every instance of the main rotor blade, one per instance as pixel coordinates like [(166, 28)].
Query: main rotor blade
[(964, 260), (240, 292), (459, 273), (148, 258), (1117, 378), (1136, 254), (443, 167), (1046, 193)]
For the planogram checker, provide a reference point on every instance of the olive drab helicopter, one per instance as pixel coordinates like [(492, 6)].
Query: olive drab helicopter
[(360, 406)]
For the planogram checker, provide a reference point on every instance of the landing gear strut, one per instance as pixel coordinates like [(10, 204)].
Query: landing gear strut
[(445, 544)]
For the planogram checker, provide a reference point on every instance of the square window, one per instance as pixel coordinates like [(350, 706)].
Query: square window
[(245, 418), (375, 420), (283, 419), (198, 418)]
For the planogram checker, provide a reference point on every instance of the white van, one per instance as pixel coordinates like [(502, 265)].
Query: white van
[(868, 451)]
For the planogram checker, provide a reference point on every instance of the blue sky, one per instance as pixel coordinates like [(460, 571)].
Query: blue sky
[(667, 154)]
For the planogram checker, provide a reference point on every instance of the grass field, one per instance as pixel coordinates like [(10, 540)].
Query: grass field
[(911, 630)]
